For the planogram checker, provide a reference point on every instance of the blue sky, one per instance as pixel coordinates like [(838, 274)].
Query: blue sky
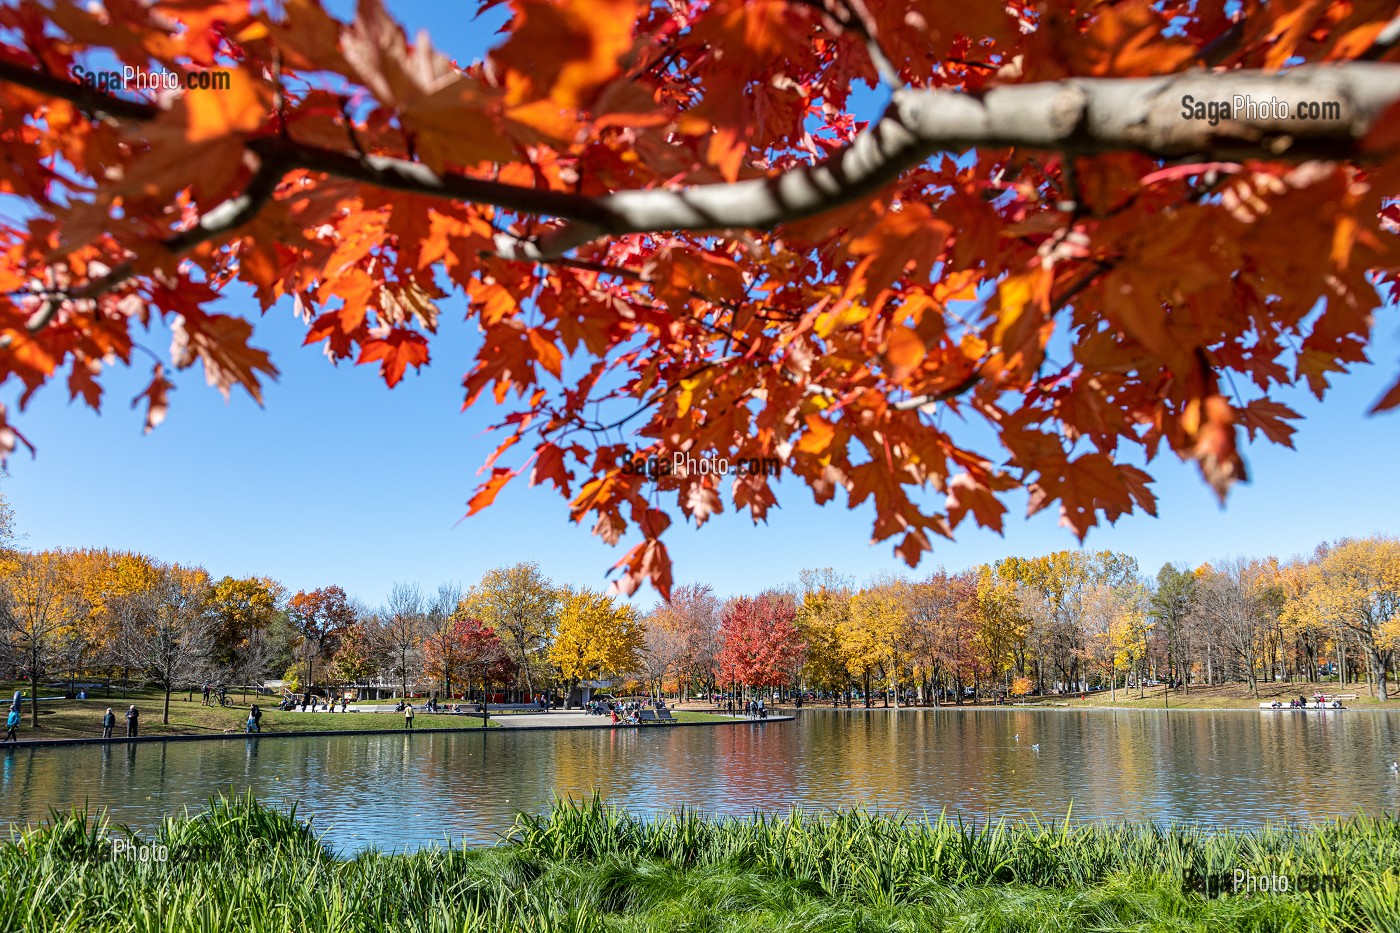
[(338, 480)]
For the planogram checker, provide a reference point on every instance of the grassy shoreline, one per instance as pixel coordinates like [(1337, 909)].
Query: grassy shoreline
[(585, 867), (82, 719), (1196, 699)]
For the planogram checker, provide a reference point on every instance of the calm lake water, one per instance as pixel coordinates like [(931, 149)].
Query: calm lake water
[(1237, 768)]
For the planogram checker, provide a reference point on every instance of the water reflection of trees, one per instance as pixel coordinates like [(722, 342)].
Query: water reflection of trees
[(1231, 767)]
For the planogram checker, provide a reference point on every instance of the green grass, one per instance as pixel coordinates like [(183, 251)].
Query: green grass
[(585, 867), (688, 716)]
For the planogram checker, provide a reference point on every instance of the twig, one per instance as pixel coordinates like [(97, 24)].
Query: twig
[(1386, 40), (853, 16), (919, 401), (230, 214), (1222, 46)]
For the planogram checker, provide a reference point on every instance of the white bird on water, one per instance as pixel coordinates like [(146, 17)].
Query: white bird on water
[(1035, 747), (1018, 736), (1395, 766)]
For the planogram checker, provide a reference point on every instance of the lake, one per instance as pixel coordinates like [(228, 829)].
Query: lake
[(1230, 768)]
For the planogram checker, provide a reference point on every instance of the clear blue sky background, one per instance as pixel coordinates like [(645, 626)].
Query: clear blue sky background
[(338, 480)]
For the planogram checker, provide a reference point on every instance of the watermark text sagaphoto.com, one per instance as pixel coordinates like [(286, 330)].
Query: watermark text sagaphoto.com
[(1247, 881), (1248, 107), (129, 78), (683, 464)]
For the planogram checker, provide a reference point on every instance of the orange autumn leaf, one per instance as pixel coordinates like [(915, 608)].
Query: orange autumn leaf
[(242, 107), (904, 350), (566, 49), (396, 352), (156, 398), (488, 491)]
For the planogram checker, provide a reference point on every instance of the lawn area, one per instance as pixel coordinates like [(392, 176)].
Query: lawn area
[(584, 868), (82, 719), (1224, 696), (688, 716)]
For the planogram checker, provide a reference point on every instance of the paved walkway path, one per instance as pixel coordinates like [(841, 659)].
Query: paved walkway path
[(423, 723), (554, 719)]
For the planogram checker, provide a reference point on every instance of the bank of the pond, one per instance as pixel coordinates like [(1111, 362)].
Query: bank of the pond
[(242, 866), (1196, 699), (422, 724)]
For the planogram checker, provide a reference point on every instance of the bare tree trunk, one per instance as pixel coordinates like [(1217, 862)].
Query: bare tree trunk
[(1380, 661), (525, 669), (34, 688)]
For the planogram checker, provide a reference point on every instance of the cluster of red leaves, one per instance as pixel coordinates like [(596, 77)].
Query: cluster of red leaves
[(1079, 308)]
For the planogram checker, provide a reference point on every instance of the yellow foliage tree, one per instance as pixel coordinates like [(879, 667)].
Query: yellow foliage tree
[(244, 607), (875, 634), (1356, 586), (1127, 632), (596, 637), (521, 604), (40, 602), (825, 607), (1002, 622)]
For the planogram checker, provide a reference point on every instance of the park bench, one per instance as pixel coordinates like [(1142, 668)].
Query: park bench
[(656, 716)]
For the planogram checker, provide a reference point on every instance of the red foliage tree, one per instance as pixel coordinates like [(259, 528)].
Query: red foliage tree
[(465, 648), (759, 642), (944, 610)]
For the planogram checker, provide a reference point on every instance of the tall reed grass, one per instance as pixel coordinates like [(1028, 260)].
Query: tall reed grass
[(588, 867)]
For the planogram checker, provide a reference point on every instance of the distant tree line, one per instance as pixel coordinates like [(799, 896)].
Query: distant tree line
[(1066, 622)]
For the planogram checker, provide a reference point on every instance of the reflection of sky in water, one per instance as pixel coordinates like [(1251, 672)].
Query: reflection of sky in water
[(400, 791)]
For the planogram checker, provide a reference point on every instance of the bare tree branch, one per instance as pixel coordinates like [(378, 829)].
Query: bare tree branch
[(1077, 116)]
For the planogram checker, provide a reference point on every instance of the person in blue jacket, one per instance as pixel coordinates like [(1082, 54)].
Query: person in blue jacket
[(11, 724)]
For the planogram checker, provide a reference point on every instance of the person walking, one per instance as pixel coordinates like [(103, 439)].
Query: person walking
[(133, 716), (11, 724), (109, 720), (408, 716), (205, 691), (254, 718)]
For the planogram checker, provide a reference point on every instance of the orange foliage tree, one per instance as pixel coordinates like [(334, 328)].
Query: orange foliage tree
[(319, 616), (679, 198)]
